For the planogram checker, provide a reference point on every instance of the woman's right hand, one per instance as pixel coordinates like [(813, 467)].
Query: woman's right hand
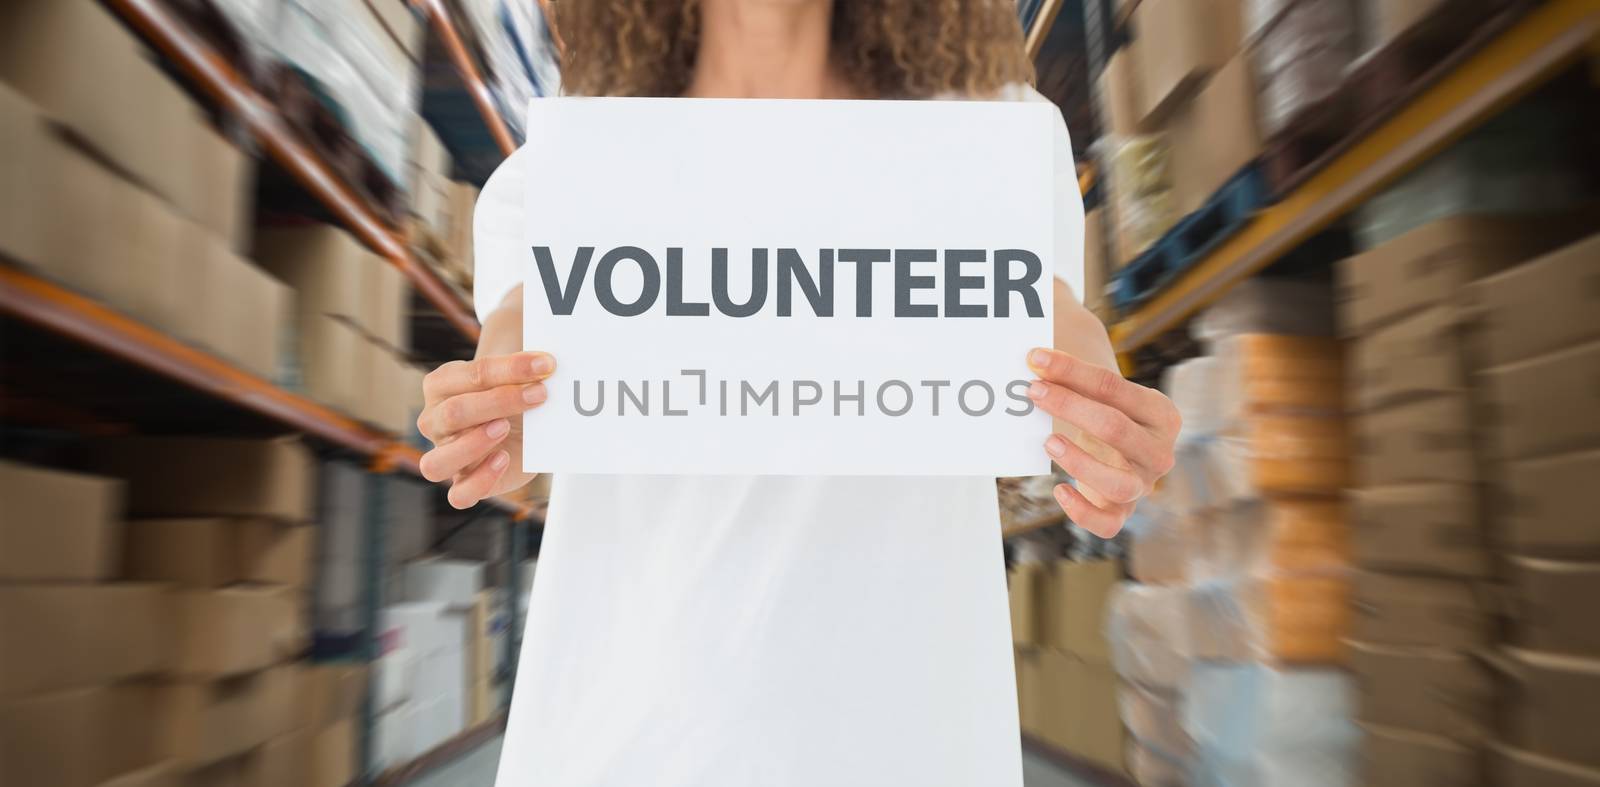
[(472, 413)]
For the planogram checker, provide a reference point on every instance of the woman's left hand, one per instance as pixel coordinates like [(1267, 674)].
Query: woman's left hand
[(1130, 431)]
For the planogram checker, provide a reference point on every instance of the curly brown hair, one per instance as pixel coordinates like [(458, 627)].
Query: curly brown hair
[(886, 48)]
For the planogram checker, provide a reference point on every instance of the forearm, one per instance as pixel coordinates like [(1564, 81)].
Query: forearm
[(1078, 332), (502, 331)]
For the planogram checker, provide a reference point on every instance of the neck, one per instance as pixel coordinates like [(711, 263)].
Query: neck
[(765, 49)]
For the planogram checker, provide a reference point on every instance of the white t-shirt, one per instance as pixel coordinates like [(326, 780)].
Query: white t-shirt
[(735, 631)]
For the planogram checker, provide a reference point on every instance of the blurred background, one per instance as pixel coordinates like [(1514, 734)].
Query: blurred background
[(1356, 241)]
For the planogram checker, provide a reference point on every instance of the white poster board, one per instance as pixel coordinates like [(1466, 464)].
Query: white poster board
[(788, 287)]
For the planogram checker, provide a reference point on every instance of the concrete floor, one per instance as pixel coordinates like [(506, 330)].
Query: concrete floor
[(477, 769)]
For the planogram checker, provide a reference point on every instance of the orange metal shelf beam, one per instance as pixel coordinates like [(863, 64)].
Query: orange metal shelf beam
[(439, 16), (214, 75), (72, 315)]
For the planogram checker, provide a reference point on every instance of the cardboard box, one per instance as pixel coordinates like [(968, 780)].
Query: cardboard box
[(386, 401), (1425, 441), (1267, 373), (455, 583), (78, 738), (333, 755), (1153, 718), (1119, 90), (24, 147), (213, 553), (1515, 767), (1551, 606), (1082, 589), (169, 155), (327, 268), (1390, 609), (1404, 758), (1179, 46), (1049, 672), (1281, 619), (1024, 587), (1540, 307), (219, 188), (1148, 767), (1215, 136), (330, 693), (428, 155), (61, 636), (333, 361), (284, 760), (1431, 690), (480, 660), (395, 737), (1420, 528), (170, 285), (200, 476), (56, 525), (79, 192), (1293, 453), (1416, 357), (1433, 263), (1093, 724), (254, 312), (73, 60), (1545, 405), (1096, 266), (206, 721), (236, 630), (1548, 704), (461, 199), (1547, 506), (1388, 19), (161, 774), (388, 304)]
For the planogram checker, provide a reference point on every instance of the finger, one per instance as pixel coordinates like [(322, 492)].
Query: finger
[(475, 484), (464, 411), (1113, 484), (1144, 405), (452, 456), (1099, 521), (1110, 425), (459, 377)]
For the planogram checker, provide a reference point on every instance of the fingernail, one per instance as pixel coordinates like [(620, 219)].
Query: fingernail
[(499, 461), (541, 365), (1039, 359), (1055, 446), (533, 394), (1037, 390), (498, 429)]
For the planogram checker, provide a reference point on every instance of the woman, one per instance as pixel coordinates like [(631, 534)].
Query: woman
[(766, 630)]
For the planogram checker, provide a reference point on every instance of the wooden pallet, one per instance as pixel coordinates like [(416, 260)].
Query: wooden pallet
[(1194, 236), (1380, 83), (319, 122)]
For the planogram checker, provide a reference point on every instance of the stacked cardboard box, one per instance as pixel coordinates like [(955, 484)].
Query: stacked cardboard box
[(1067, 691), (225, 523), (1183, 87), (1539, 346), (1422, 389), (353, 320), (424, 674), (172, 214), (1243, 552), (77, 644), (1300, 51)]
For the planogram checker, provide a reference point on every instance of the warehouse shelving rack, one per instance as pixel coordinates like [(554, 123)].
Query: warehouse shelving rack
[(213, 75), (59, 310), (1549, 39)]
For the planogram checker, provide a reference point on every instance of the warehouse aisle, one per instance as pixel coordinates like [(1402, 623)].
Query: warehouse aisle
[(477, 770)]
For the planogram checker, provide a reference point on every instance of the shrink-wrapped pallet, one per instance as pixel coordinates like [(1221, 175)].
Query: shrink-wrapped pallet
[(1255, 725), (1148, 636), (1275, 618)]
